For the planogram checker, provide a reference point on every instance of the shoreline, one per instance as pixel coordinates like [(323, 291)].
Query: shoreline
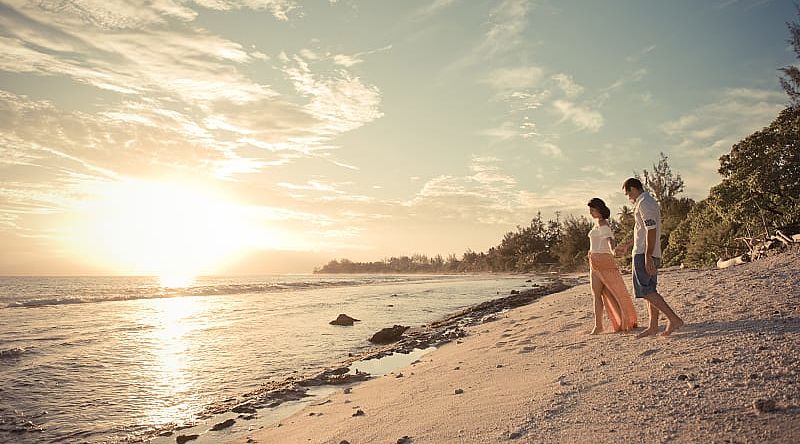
[(534, 375), (276, 400)]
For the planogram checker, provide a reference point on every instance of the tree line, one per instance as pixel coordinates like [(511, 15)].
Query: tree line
[(759, 194)]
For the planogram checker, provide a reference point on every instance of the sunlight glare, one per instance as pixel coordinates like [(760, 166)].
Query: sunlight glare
[(171, 230)]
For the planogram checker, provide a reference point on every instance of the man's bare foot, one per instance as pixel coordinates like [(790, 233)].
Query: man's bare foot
[(647, 332), (672, 326), (596, 330)]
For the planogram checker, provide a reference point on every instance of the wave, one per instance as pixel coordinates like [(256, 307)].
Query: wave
[(92, 295), (12, 353)]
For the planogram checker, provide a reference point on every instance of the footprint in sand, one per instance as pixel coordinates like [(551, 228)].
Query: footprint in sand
[(532, 318), (646, 353), (527, 349), (566, 327), (500, 344)]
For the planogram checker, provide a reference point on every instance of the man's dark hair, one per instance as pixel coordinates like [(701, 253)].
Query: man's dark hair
[(600, 206), (632, 182)]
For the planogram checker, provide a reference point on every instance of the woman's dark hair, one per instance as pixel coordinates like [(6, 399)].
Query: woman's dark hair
[(600, 206)]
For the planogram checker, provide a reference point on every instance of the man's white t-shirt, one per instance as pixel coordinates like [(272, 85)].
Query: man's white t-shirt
[(598, 239), (647, 215)]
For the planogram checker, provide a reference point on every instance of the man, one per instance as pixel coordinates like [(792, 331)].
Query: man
[(647, 257)]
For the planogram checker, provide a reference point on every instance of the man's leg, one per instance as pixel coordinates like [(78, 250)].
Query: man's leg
[(652, 328), (673, 321)]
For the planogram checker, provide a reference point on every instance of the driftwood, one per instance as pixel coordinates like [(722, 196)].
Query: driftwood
[(733, 261), (759, 247)]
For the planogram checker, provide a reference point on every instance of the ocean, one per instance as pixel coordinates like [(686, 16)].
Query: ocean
[(110, 359)]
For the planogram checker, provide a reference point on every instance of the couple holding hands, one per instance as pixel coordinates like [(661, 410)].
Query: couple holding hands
[(607, 285)]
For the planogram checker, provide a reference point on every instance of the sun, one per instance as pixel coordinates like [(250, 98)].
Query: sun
[(175, 231)]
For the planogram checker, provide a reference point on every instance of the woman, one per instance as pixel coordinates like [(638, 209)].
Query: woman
[(608, 288)]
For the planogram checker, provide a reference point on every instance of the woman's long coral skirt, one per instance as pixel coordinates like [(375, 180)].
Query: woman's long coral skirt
[(616, 298)]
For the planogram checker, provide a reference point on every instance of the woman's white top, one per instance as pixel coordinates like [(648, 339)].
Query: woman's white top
[(598, 239)]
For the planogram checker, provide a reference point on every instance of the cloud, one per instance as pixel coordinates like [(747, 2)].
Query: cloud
[(568, 85), (582, 117), (280, 9), (699, 137), (515, 78), (190, 64), (486, 196), (354, 59), (339, 100), (433, 8), (506, 24)]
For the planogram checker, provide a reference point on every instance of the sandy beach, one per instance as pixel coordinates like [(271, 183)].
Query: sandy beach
[(535, 375)]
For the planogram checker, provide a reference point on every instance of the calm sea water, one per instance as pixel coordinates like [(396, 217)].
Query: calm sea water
[(98, 359)]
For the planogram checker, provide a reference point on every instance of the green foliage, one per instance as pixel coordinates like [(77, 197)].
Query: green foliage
[(701, 238), (574, 245), (790, 81), (531, 246), (661, 182), (760, 189), (759, 193)]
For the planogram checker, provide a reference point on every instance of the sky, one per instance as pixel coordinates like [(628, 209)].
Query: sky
[(180, 137)]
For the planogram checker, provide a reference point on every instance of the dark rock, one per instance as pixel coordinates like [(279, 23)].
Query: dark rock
[(359, 412), (343, 319), (388, 335), (243, 408), (185, 438), (514, 291), (488, 318), (337, 376), (224, 424), (682, 377), (404, 440), (499, 366), (166, 433), (764, 405), (459, 391), (344, 441)]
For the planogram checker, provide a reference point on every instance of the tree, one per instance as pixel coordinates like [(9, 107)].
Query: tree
[(790, 81), (661, 182), (574, 243), (760, 189)]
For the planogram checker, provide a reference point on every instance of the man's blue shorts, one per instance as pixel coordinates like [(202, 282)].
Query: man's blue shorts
[(643, 283)]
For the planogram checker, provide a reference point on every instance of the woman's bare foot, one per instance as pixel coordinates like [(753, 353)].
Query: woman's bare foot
[(647, 332), (673, 326), (596, 330)]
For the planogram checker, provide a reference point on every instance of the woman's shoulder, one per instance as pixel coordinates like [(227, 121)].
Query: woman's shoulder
[(605, 229)]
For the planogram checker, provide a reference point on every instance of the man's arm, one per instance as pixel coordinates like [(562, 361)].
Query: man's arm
[(649, 265), (649, 215)]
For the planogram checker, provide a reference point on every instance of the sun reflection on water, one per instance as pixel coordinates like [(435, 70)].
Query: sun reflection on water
[(174, 320)]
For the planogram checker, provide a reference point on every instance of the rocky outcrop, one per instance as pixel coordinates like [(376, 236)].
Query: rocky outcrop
[(345, 320), (388, 335)]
